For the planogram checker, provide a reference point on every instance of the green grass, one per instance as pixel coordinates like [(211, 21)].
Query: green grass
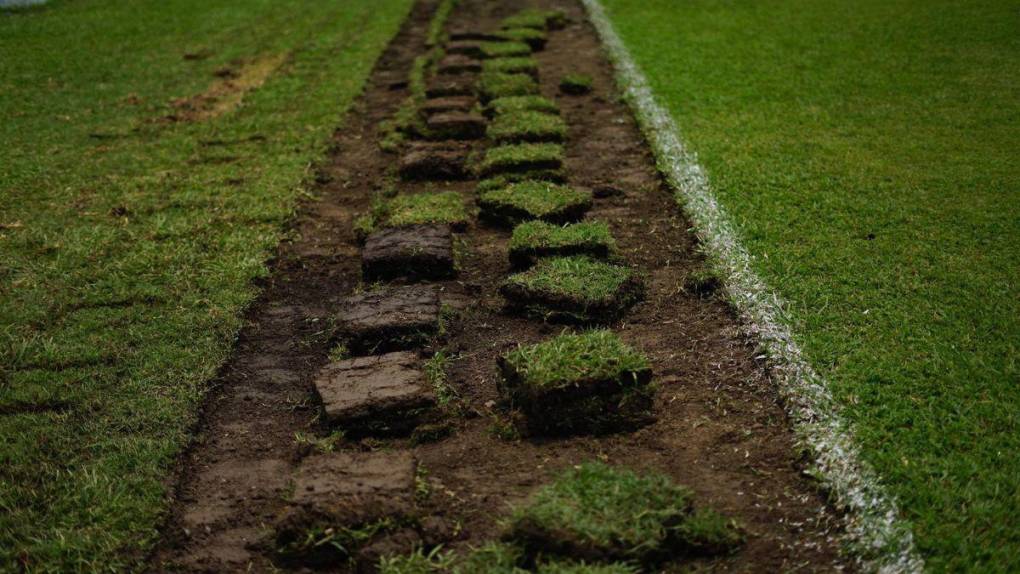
[(534, 200), (526, 65), (563, 361), (535, 39), (505, 179), (867, 152), (588, 281), (492, 85), (522, 157), (129, 243), (535, 19), (534, 239), (505, 49), (607, 513), (415, 209), (576, 84), (526, 126), (522, 103)]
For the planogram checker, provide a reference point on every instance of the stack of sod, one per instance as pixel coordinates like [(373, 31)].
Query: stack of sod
[(422, 208), (574, 289), (526, 126), (527, 200), (536, 239), (577, 383), (599, 513)]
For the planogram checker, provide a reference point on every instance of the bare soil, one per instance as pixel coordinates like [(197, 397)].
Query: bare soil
[(719, 427)]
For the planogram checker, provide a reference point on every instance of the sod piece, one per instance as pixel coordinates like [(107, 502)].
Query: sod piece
[(505, 179), (448, 104), (456, 64), (576, 84), (536, 19), (503, 49), (472, 48), (416, 252), (521, 158), (560, 567), (342, 502), (535, 39), (378, 394), (455, 125), (573, 289), (450, 86), (536, 239), (521, 104), (433, 162), (432, 208), (520, 127), (389, 319), (511, 66), (577, 383), (528, 200), (499, 85)]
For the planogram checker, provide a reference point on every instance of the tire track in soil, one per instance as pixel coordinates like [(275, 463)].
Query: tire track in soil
[(719, 428)]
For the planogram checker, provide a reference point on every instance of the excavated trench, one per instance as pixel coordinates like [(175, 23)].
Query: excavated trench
[(444, 467)]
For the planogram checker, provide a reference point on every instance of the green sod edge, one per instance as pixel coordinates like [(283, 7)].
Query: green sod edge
[(133, 262), (877, 536)]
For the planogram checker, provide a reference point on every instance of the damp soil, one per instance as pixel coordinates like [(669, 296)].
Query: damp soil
[(719, 426)]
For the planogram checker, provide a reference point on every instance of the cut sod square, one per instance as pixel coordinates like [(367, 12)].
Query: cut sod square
[(600, 513), (450, 86), (521, 158), (389, 319), (342, 502), (573, 289), (494, 85), (431, 208), (520, 127), (513, 104), (449, 104), (576, 84), (416, 252), (575, 383), (535, 39), (527, 200), (536, 19), (455, 125), (533, 240), (505, 179), (383, 393), (456, 64), (433, 162), (511, 66), (503, 49)]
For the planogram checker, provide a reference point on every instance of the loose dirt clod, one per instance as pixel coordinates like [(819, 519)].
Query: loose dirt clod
[(384, 393), (389, 319), (414, 252)]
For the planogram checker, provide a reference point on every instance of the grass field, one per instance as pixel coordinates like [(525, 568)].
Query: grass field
[(129, 239), (868, 153)]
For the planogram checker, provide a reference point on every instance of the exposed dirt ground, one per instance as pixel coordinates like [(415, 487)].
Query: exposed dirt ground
[(719, 428)]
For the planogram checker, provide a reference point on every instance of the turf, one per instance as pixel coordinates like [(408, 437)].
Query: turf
[(522, 157), (129, 241), (588, 282), (505, 49), (867, 153), (534, 200), (521, 104), (535, 39), (603, 513), (534, 239), (535, 19), (511, 66), (576, 84), (492, 85), (563, 361), (415, 209), (526, 126)]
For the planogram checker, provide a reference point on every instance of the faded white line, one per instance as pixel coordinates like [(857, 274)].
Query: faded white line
[(876, 536)]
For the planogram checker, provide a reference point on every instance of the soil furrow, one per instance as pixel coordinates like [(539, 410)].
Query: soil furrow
[(718, 426)]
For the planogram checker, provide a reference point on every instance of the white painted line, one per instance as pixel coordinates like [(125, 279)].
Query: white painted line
[(876, 536)]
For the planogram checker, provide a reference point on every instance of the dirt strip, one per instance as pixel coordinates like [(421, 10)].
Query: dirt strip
[(718, 427)]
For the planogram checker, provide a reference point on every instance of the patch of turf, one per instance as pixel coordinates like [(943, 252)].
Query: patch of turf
[(563, 567), (601, 513), (527, 200), (130, 236), (415, 209), (521, 104), (536, 19), (576, 84), (575, 288), (492, 558), (535, 39), (505, 179), (535, 239), (521, 158), (511, 66), (872, 157), (494, 85), (504, 49), (519, 127)]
